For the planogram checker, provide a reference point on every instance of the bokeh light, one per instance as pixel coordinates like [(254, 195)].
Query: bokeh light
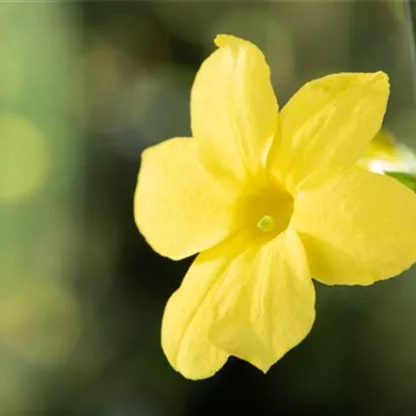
[(24, 158), (39, 321)]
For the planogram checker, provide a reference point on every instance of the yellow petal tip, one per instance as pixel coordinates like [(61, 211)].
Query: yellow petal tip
[(381, 75), (222, 40), (264, 369), (380, 80)]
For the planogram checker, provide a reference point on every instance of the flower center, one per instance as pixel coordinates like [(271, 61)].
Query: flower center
[(266, 223), (265, 209)]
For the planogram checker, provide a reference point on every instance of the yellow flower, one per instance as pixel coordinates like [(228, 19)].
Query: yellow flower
[(385, 155), (268, 199)]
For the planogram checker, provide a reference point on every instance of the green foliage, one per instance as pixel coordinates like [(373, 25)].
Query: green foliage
[(405, 178)]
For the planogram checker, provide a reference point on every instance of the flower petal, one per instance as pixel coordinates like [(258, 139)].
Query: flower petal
[(357, 227), (329, 122), (233, 107), (179, 207), (189, 315), (265, 305)]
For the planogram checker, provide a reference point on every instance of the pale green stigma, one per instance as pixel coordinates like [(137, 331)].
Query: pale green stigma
[(266, 223)]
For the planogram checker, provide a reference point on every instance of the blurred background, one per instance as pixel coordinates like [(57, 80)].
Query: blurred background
[(84, 88)]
